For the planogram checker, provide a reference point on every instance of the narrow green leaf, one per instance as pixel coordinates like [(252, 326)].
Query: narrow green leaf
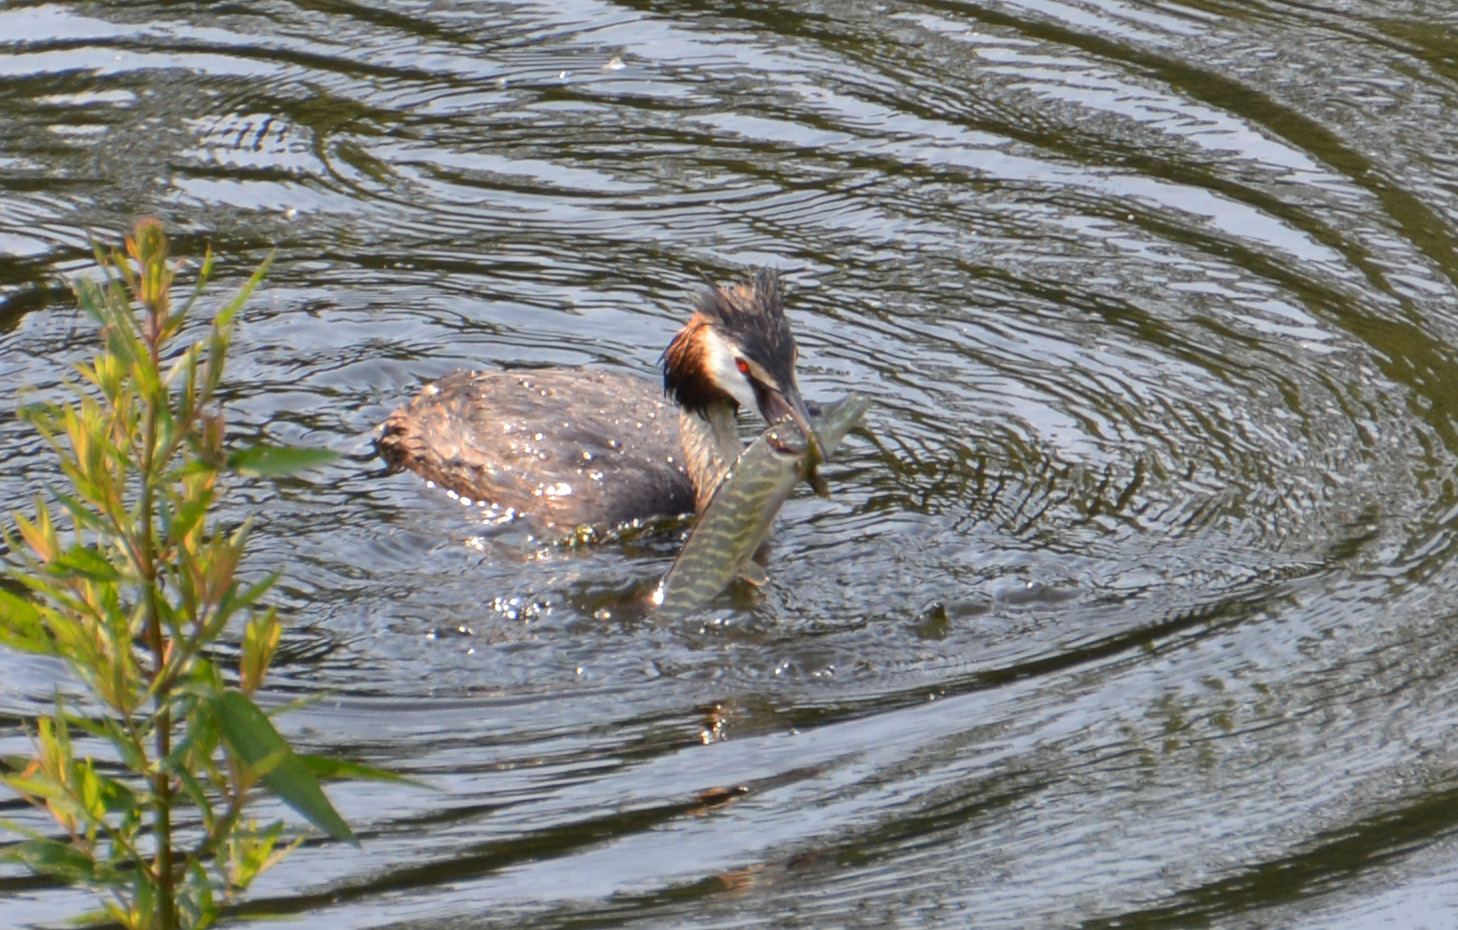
[(222, 334), (84, 514), (203, 273), (225, 316), (256, 591), (20, 624), (39, 786), (250, 734), (112, 730), (273, 461), (84, 562), (89, 295), (15, 764), (328, 768), (52, 859), (260, 642), (199, 796), (148, 378)]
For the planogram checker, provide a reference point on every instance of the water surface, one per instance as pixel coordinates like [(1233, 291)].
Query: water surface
[(1135, 606)]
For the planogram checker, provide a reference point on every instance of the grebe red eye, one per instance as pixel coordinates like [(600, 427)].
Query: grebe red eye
[(742, 365)]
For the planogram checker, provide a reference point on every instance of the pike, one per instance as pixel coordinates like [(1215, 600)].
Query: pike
[(738, 518)]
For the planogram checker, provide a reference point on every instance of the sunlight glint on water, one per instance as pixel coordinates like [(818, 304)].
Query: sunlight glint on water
[(1133, 605)]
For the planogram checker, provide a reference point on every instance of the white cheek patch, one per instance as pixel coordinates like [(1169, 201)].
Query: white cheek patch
[(725, 372)]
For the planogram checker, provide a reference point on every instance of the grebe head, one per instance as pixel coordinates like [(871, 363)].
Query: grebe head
[(737, 349)]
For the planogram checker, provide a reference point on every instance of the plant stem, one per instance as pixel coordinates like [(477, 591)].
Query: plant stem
[(142, 451), (162, 800)]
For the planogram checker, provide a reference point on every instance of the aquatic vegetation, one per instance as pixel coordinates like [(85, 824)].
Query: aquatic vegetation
[(127, 576)]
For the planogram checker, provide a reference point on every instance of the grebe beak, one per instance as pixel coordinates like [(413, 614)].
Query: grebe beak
[(775, 406)]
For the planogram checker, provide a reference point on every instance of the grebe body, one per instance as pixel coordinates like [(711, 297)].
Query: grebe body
[(571, 447)]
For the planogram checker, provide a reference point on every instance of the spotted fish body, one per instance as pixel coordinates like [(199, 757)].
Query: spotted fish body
[(738, 518)]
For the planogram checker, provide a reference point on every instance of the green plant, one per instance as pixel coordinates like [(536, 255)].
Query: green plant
[(126, 576)]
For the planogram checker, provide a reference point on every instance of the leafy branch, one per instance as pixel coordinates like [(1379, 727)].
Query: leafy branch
[(125, 575)]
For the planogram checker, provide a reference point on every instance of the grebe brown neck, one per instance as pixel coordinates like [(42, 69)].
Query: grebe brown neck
[(569, 447)]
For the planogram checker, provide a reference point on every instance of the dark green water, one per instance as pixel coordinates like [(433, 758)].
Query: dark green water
[(1141, 609)]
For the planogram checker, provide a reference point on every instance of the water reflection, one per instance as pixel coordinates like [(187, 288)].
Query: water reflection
[(1133, 606)]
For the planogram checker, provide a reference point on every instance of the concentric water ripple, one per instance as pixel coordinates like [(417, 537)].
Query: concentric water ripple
[(1132, 605)]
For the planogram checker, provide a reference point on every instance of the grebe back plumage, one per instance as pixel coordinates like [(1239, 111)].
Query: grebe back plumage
[(569, 447)]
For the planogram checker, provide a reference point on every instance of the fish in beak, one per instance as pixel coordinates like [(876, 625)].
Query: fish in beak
[(776, 406)]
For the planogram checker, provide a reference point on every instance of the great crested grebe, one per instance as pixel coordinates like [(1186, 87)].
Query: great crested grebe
[(569, 447)]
